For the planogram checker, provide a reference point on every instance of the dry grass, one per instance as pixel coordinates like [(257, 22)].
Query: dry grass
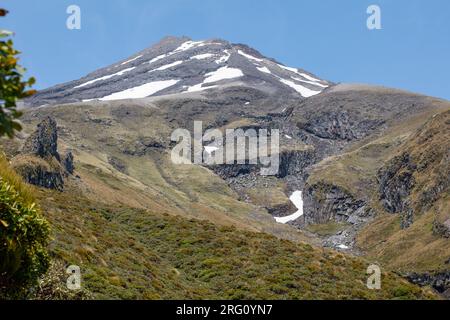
[(8, 174)]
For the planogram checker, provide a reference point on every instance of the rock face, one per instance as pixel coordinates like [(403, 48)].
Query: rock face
[(39, 162), (324, 203), (396, 183), (294, 162), (339, 125)]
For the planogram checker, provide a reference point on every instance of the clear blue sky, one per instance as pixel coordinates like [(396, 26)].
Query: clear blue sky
[(326, 37)]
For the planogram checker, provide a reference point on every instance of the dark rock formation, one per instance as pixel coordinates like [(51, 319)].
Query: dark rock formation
[(39, 162), (339, 125), (294, 162), (323, 203), (281, 209), (39, 172), (67, 162), (439, 281), (44, 141), (226, 171), (396, 183), (117, 164)]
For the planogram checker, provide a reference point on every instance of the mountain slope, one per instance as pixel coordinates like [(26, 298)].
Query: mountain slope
[(180, 65)]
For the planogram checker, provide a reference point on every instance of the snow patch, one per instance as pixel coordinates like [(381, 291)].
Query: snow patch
[(306, 76), (305, 92), (287, 136), (158, 58), (198, 87), (288, 68), (141, 91), (342, 246), (297, 200), (222, 74), (167, 66), (310, 82), (224, 58), (242, 53), (264, 69), (185, 46), (203, 56), (105, 77), (189, 45), (131, 60)]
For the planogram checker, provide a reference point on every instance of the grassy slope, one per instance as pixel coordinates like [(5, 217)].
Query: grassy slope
[(9, 175), (132, 253), (151, 180)]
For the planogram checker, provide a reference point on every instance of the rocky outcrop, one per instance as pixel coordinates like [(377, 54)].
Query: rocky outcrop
[(339, 125), (281, 209), (39, 162), (396, 182), (39, 172), (227, 171), (439, 281), (141, 146), (441, 228), (67, 162), (294, 162), (44, 141), (117, 164), (325, 202)]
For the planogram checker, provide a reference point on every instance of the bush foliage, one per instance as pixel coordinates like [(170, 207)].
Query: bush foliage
[(24, 235)]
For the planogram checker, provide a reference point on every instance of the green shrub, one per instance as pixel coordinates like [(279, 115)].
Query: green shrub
[(24, 235)]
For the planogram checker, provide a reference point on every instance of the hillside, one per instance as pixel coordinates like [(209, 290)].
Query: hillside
[(420, 227), (133, 254)]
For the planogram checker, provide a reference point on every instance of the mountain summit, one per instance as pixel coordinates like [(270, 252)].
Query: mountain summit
[(181, 65)]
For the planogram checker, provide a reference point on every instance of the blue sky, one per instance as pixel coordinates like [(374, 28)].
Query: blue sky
[(326, 37)]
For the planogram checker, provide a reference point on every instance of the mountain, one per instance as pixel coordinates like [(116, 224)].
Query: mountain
[(367, 165), (180, 65)]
